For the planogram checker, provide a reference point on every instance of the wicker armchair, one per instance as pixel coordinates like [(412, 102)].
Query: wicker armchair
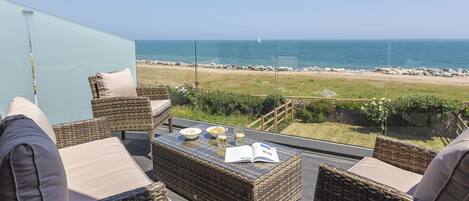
[(336, 184), (70, 134), (131, 113)]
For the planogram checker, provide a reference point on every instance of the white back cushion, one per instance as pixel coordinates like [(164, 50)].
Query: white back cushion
[(20, 105), (116, 84)]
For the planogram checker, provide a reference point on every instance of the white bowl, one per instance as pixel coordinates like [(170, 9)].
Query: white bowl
[(191, 133), (211, 130)]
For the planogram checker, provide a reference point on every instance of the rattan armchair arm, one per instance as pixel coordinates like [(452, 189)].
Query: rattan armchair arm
[(123, 113), (103, 107), (69, 134), (118, 107), (334, 184), (159, 92), (153, 192), (404, 155)]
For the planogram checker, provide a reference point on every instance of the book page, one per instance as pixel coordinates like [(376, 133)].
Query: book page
[(238, 154), (264, 153)]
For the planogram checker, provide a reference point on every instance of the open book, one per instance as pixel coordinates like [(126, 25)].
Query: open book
[(257, 152)]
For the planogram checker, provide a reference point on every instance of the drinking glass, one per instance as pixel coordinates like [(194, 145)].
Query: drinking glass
[(222, 138), (239, 135)]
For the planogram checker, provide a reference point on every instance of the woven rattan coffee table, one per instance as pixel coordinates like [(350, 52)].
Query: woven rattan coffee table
[(196, 170)]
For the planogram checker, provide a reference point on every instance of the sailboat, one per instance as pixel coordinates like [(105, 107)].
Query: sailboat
[(259, 40)]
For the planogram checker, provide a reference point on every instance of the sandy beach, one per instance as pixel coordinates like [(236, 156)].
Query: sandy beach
[(366, 76)]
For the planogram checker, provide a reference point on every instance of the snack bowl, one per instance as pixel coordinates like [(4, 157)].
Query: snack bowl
[(191, 133), (216, 130)]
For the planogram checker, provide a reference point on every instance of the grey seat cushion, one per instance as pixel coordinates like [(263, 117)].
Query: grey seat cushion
[(387, 174), (159, 106), (101, 169), (447, 176), (30, 164)]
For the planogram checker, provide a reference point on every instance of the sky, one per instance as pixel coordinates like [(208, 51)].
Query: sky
[(268, 19)]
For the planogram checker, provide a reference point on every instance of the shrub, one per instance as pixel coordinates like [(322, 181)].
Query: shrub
[(318, 117), (348, 105), (315, 112), (272, 101), (222, 102), (226, 103), (176, 97), (466, 111), (182, 95), (378, 111), (321, 109), (436, 107), (303, 114)]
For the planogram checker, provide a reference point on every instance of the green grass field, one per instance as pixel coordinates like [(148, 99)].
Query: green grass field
[(303, 85), (298, 85), (357, 135)]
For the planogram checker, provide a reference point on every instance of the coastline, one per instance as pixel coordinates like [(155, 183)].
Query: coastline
[(377, 76), (418, 71)]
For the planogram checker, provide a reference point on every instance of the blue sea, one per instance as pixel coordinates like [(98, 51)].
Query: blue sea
[(350, 54)]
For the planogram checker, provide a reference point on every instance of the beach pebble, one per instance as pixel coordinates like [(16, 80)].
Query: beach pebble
[(417, 71)]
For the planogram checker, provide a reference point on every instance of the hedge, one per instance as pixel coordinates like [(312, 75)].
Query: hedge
[(436, 107), (228, 103), (224, 103)]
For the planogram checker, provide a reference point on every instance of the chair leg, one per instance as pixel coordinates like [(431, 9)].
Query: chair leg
[(123, 135), (170, 122), (151, 136)]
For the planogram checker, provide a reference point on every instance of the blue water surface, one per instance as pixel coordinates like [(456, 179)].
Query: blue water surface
[(350, 54)]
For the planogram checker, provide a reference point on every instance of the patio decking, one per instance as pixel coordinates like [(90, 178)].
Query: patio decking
[(137, 144)]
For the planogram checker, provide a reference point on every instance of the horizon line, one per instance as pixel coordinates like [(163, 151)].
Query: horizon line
[(317, 39)]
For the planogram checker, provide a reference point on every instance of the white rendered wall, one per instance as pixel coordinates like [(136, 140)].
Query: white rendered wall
[(66, 53)]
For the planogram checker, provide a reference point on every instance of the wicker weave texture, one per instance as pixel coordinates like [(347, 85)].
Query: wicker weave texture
[(130, 113), (281, 183), (338, 184), (153, 92), (335, 184), (196, 170), (153, 192), (125, 113), (404, 155), (69, 134), (94, 86)]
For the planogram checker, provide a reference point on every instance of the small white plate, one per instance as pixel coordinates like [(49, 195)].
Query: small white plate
[(191, 133)]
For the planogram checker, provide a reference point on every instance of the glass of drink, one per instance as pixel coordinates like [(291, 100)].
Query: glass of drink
[(239, 135), (221, 140)]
